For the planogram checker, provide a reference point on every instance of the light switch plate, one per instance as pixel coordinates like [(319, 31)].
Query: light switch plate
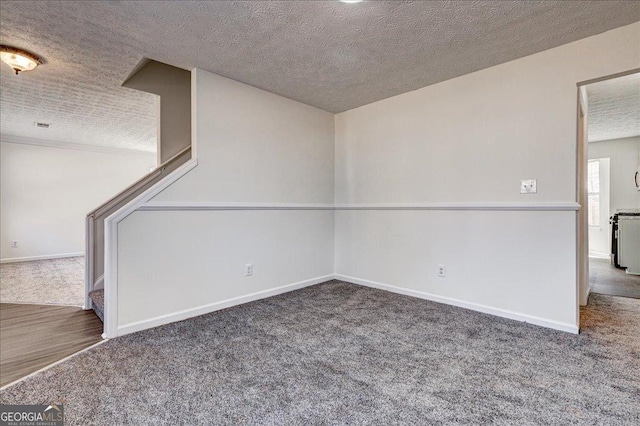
[(528, 186)]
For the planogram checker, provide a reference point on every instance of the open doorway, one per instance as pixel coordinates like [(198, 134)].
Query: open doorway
[(51, 175), (46, 190), (609, 187)]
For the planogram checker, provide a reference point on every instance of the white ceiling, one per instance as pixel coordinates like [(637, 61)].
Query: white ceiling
[(614, 108), (332, 55)]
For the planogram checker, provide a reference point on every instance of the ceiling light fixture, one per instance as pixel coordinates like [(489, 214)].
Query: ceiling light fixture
[(350, 1), (18, 59)]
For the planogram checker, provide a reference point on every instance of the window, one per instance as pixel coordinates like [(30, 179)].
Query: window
[(593, 186)]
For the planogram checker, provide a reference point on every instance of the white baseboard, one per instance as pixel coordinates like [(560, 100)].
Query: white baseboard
[(47, 257), (216, 306), (556, 325), (599, 255), (212, 307)]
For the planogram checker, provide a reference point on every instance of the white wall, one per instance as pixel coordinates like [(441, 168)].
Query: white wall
[(624, 155), (46, 193), (192, 260), (621, 162), (495, 260), (173, 85), (471, 139), (468, 140), (252, 147)]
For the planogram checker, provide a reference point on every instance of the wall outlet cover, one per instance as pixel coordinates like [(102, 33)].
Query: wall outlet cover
[(528, 186), (441, 271)]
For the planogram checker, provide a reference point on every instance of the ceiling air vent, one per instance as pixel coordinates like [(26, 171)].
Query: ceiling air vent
[(43, 125)]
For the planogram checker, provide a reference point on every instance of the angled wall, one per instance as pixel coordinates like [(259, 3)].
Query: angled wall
[(173, 86)]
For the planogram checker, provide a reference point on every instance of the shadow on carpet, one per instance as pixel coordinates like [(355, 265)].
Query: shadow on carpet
[(338, 353)]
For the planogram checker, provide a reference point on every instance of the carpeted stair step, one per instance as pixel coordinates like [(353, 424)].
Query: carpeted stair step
[(97, 299)]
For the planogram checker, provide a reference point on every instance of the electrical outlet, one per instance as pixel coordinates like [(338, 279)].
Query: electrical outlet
[(14, 244), (441, 271), (248, 269), (528, 186)]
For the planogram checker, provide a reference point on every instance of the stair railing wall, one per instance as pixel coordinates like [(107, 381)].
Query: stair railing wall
[(94, 256)]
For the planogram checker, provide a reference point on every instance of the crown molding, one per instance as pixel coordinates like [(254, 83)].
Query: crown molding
[(69, 145)]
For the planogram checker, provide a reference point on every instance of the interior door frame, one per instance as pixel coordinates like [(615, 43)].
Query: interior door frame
[(582, 288), (582, 157)]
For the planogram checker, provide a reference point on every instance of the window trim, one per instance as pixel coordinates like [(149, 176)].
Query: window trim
[(595, 160)]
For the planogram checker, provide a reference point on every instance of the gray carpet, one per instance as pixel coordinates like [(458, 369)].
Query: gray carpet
[(339, 353), (43, 282), (604, 278)]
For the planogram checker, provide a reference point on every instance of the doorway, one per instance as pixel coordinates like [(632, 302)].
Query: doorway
[(608, 187)]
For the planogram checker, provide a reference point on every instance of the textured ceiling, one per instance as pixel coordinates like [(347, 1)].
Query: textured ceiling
[(614, 108), (332, 55)]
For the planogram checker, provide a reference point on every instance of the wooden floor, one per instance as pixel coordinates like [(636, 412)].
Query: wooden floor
[(34, 336)]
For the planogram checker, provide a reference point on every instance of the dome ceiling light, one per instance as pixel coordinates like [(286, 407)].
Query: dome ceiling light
[(18, 59)]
